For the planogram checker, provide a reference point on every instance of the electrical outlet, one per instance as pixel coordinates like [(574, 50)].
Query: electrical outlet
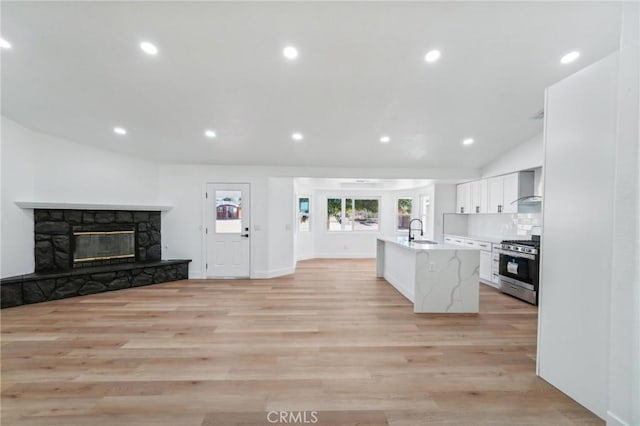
[(432, 267)]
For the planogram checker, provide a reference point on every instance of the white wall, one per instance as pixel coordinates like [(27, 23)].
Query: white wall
[(589, 322), (573, 343), (183, 237), (587, 331), (525, 156), (445, 202), (281, 220), (624, 328), (39, 167)]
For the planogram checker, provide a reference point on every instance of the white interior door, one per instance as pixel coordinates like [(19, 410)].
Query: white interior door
[(228, 230)]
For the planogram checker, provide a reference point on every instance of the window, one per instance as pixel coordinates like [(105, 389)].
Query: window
[(303, 214), (228, 212), (352, 214), (405, 209), (425, 215)]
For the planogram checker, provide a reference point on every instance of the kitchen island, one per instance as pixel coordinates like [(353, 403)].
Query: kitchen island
[(436, 278)]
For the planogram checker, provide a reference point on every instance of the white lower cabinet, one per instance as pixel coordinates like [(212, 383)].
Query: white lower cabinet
[(495, 272), (486, 265)]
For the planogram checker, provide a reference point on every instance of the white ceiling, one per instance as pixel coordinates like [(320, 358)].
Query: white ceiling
[(76, 71)]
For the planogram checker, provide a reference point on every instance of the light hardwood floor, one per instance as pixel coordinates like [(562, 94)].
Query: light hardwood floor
[(331, 338)]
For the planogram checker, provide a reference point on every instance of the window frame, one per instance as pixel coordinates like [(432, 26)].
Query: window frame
[(343, 200), (299, 213), (396, 211)]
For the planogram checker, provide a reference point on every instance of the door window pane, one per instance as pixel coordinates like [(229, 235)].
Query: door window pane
[(365, 216), (303, 214), (228, 212), (405, 207), (334, 214)]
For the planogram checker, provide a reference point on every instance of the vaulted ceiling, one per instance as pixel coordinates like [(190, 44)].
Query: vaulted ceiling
[(76, 70)]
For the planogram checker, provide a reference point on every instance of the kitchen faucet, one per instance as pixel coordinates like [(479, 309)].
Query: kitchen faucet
[(411, 238)]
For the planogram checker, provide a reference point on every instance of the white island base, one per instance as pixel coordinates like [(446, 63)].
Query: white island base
[(436, 278)]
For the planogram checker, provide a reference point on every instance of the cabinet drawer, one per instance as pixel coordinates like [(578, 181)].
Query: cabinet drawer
[(483, 246), (471, 243)]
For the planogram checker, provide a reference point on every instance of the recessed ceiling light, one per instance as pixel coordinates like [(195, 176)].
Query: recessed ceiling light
[(4, 44), (385, 139), (297, 136), (432, 56), (290, 52), (210, 134), (468, 141), (148, 48), (120, 130), (570, 57)]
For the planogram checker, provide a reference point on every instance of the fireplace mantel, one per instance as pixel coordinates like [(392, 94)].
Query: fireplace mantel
[(91, 206)]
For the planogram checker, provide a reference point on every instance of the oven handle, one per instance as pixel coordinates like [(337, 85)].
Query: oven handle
[(517, 254)]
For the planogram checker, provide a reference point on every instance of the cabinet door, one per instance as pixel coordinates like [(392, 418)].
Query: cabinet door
[(510, 193), (474, 189), (486, 265), (484, 196), (495, 195), (460, 198), (463, 199)]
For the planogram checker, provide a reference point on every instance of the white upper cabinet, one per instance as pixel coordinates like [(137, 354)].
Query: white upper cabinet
[(495, 195), (478, 197), (463, 201)]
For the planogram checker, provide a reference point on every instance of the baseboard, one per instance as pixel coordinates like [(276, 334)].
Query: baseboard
[(613, 420), (309, 257), (195, 275), (345, 256), (489, 283), (263, 275)]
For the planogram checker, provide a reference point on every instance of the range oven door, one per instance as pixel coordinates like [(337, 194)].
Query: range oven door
[(519, 275)]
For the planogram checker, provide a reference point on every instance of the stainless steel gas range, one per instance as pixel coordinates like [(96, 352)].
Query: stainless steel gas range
[(520, 268)]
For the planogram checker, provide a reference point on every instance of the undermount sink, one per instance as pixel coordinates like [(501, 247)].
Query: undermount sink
[(424, 242)]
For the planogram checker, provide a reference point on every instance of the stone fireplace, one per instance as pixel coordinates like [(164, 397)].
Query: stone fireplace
[(78, 252), (67, 239)]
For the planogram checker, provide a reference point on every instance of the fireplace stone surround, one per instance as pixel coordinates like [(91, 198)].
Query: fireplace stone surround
[(54, 229), (56, 276)]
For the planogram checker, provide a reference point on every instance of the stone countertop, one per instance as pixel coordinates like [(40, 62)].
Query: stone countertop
[(404, 242)]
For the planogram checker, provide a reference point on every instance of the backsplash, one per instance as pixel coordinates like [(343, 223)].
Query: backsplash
[(529, 224), (505, 226)]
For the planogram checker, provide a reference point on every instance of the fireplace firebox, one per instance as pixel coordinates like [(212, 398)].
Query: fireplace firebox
[(99, 247)]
